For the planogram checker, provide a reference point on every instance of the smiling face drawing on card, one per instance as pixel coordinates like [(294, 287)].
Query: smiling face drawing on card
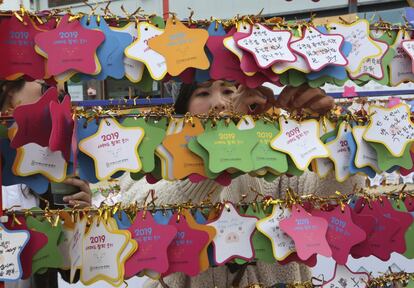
[(234, 235)]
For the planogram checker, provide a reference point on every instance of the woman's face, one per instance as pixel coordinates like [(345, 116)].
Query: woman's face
[(28, 94), (209, 95)]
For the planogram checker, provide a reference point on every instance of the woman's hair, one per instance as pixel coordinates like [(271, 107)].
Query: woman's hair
[(7, 87), (183, 99)]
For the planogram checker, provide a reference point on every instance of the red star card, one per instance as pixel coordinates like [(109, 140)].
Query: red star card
[(184, 252), (37, 241), (342, 233), (33, 121), (70, 47), (62, 127), (308, 232), (153, 240), (16, 49)]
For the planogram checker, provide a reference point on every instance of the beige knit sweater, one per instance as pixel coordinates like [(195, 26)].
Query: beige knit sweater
[(220, 277)]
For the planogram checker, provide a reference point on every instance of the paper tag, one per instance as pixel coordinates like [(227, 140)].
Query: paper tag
[(184, 251), (342, 233), (111, 148), (16, 46), (367, 223), (234, 235), (133, 69), (268, 46), (340, 153), (33, 158), (70, 47), (140, 51), (185, 162), (153, 240), (363, 46), (345, 278), (102, 248), (320, 50), (282, 244), (308, 232), (365, 155), (300, 140), (408, 46), (33, 121), (182, 47), (401, 64), (391, 127), (300, 64), (228, 147), (75, 247), (12, 244)]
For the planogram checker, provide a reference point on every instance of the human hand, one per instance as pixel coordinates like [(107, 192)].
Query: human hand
[(304, 96), (81, 199), (252, 101)]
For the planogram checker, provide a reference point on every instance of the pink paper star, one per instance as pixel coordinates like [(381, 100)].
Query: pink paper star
[(33, 121), (308, 232), (70, 47), (151, 253), (349, 91), (62, 127)]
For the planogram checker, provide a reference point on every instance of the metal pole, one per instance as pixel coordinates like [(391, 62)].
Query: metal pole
[(352, 6)]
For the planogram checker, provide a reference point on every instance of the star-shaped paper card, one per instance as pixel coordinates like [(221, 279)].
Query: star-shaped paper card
[(363, 46), (401, 64), (140, 51), (185, 162), (342, 233), (70, 47), (391, 127), (300, 63), (76, 246), (340, 153), (282, 244), (184, 252), (48, 256), (154, 133), (101, 252), (308, 232), (62, 127), (113, 148), (268, 46), (37, 241), (234, 235), (33, 121), (133, 69), (153, 240), (372, 66), (111, 52), (320, 50), (345, 278), (34, 159), (228, 147), (365, 155), (408, 46), (300, 140), (16, 47), (263, 155), (12, 243), (181, 46)]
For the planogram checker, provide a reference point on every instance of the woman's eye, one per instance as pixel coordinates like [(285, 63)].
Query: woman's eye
[(203, 94), (228, 92)]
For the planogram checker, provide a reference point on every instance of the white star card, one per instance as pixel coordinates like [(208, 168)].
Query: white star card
[(234, 235), (320, 50), (340, 153), (363, 46), (282, 244), (372, 66), (140, 51), (11, 245), (113, 148), (401, 64), (300, 140), (365, 156), (133, 69), (268, 46), (34, 159), (391, 127), (345, 278)]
